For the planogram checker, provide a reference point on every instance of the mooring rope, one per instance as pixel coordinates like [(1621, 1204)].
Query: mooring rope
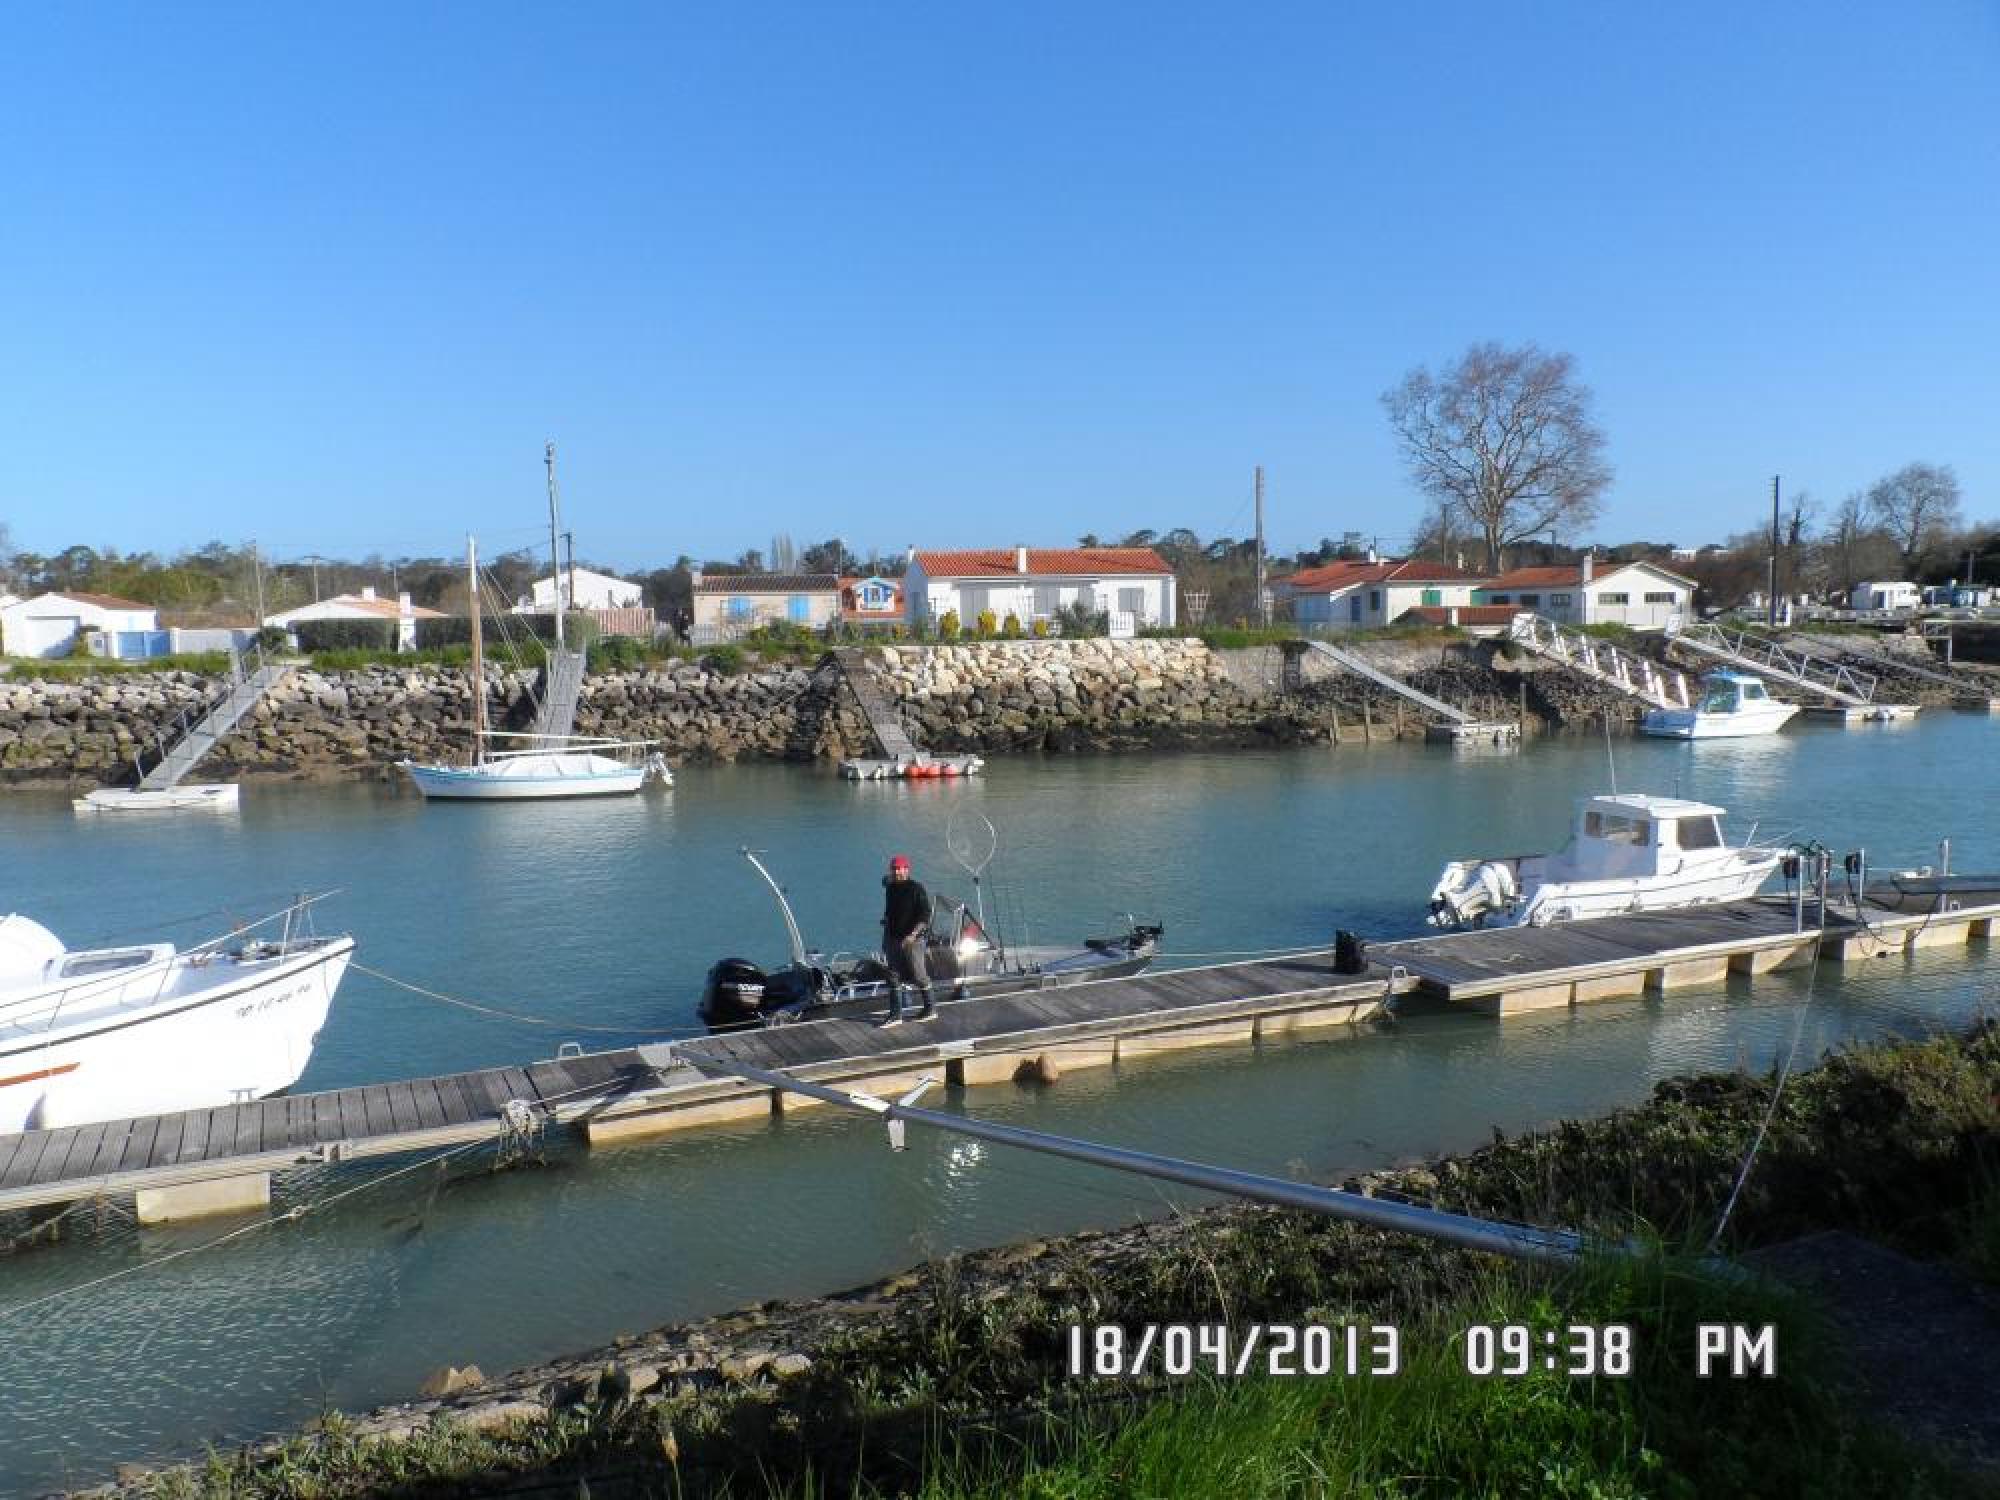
[(525, 1019)]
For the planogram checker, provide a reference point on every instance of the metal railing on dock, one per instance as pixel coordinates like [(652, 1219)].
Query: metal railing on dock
[(1600, 660)]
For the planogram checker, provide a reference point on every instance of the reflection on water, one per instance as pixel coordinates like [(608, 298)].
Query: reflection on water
[(598, 919)]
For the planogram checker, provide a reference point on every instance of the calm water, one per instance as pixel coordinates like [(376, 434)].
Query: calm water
[(602, 918)]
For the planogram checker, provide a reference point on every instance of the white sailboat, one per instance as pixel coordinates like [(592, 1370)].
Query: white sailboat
[(1626, 853), (549, 765), (108, 1033)]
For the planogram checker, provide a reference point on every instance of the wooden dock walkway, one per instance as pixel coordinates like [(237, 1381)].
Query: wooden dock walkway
[(222, 1159)]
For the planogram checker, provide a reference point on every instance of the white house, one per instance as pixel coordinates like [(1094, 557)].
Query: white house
[(1033, 583), (1643, 595), (580, 588), (1358, 595), (727, 605), (362, 606), (49, 624), (1885, 596)]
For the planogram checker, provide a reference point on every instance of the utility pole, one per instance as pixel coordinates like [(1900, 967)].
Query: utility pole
[(1263, 600), (569, 551), (314, 560), (1771, 609), (257, 572)]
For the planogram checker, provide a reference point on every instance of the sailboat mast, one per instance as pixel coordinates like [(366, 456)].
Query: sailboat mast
[(478, 654), (555, 562)]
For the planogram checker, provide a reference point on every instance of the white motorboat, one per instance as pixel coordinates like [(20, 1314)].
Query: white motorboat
[(1732, 705), (1626, 853), (110, 1033), (215, 796)]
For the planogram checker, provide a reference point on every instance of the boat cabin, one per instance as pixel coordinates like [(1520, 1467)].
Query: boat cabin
[(1634, 834), (1731, 693)]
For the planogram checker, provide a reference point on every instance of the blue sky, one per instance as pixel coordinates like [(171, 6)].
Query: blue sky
[(958, 276)]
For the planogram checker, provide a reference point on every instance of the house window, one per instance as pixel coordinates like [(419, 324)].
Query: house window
[(1354, 609), (1531, 601), (1560, 601), (1433, 596), (1500, 599), (1663, 598), (1132, 601), (798, 609), (739, 607), (1614, 598), (1374, 601), (1048, 599)]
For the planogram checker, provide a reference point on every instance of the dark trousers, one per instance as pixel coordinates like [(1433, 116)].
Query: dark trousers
[(907, 961)]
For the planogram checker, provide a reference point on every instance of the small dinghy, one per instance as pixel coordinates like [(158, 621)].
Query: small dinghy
[(965, 961), (1626, 853)]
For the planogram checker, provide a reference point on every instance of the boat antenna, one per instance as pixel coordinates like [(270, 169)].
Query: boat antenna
[(555, 562), (962, 838), (791, 922), (1610, 756)]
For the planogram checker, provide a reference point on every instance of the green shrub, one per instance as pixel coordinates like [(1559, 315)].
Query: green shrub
[(948, 627), (726, 659), (1040, 628), (315, 636), (1010, 628), (989, 624)]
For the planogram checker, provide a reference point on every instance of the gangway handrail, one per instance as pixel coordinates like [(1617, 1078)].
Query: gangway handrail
[(1600, 660), (1393, 683), (1833, 679)]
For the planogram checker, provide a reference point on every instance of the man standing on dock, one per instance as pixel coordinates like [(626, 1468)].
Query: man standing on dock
[(906, 917)]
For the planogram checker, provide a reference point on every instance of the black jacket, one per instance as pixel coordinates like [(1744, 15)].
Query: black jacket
[(906, 906)]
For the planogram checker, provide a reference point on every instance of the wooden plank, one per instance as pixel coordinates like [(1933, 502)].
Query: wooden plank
[(139, 1141), (403, 1107), (9, 1146), (246, 1129), (328, 1121), (79, 1150), (21, 1170), (375, 1116), (167, 1144)]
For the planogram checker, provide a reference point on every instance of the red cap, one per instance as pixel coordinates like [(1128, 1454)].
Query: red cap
[(900, 862)]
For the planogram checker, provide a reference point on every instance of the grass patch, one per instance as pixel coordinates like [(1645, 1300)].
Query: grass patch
[(83, 668)]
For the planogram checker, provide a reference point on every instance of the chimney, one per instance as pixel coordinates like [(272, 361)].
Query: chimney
[(1373, 556), (910, 554), (1020, 559), (1461, 560), (1589, 565), (368, 591), (403, 603)]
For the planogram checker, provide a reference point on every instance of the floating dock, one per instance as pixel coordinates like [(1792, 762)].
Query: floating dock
[(222, 1160)]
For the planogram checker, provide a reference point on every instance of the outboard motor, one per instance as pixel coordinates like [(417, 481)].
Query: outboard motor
[(734, 994), (1350, 953)]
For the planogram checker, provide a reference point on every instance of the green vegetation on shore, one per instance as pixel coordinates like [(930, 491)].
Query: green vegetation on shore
[(951, 1382)]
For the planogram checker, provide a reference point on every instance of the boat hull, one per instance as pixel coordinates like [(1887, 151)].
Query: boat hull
[(214, 796), (247, 1035), (1692, 724), (525, 778)]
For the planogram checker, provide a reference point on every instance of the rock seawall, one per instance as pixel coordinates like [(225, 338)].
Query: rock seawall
[(987, 697)]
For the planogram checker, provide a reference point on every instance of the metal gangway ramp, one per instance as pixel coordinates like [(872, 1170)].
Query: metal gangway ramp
[(890, 737), (198, 731), (1450, 722), (562, 682), (1601, 661), (1767, 658)]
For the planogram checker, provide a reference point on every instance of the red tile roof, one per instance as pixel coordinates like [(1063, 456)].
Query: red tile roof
[(388, 609), (766, 583), (1061, 562), (1570, 575), (102, 601), (1331, 577)]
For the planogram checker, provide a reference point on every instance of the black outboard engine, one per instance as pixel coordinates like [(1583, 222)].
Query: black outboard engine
[(1350, 953), (734, 995)]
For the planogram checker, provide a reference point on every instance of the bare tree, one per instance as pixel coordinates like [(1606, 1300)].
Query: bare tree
[(1853, 547), (1916, 506), (1504, 439), (1442, 536)]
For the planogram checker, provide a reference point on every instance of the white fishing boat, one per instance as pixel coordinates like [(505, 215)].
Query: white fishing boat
[(109, 1033), (547, 764), (1627, 853), (1732, 705)]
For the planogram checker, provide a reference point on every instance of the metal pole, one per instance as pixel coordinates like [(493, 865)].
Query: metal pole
[(1263, 603), (555, 562), (1771, 612), (1519, 1241)]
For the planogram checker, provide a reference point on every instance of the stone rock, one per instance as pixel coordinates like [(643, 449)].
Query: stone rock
[(790, 1366), (746, 1366), (452, 1379), (501, 1415)]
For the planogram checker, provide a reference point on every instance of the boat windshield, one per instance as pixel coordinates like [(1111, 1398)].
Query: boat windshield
[(1719, 699)]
